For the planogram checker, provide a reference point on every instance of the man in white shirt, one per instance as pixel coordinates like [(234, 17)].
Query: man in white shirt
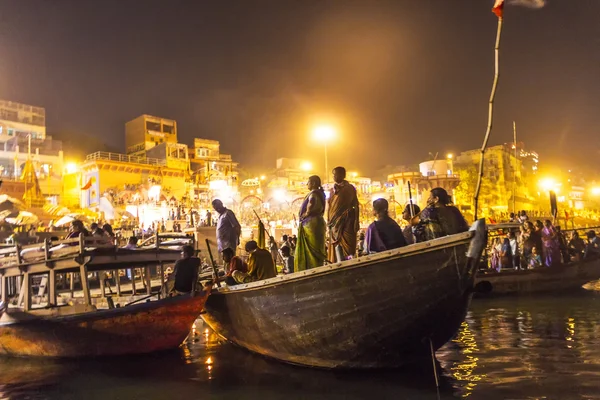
[(228, 228)]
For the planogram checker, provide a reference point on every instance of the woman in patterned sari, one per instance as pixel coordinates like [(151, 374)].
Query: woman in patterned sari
[(439, 218), (310, 251)]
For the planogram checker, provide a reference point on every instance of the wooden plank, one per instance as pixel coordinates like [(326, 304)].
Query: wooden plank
[(102, 284), (132, 281), (47, 254), (85, 284), (81, 244), (117, 282), (71, 283), (52, 288), (161, 270), (148, 280), (8, 250), (4, 288), (26, 286)]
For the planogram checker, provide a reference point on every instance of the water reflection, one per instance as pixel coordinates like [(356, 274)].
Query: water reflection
[(532, 348)]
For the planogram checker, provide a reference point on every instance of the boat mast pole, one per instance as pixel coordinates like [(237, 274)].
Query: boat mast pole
[(490, 114), (515, 169)]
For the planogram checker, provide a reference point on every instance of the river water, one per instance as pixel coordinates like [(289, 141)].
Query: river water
[(528, 348)]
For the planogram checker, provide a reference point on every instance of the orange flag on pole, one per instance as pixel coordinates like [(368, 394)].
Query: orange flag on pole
[(498, 8), (87, 185)]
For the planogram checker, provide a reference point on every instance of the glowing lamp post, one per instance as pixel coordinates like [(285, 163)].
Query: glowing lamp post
[(324, 134)]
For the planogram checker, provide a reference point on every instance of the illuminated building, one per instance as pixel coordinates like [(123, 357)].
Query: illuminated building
[(122, 174), (146, 132), (432, 174), (23, 131), (292, 175), (506, 185), (213, 174)]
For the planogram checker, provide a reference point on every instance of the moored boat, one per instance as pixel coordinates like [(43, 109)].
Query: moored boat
[(566, 277), (135, 329), (376, 311), (47, 329)]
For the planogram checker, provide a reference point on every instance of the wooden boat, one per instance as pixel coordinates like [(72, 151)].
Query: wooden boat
[(80, 330), (567, 277), (376, 311), (139, 328)]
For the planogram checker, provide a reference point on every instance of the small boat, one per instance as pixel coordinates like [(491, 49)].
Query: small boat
[(566, 277), (135, 329), (47, 329), (377, 311)]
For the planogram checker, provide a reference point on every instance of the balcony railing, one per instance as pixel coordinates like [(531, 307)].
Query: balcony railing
[(103, 155)]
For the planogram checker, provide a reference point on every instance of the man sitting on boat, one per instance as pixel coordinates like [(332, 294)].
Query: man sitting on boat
[(232, 263), (407, 215), (439, 218), (77, 229), (592, 249), (260, 265), (384, 233), (576, 246), (186, 272)]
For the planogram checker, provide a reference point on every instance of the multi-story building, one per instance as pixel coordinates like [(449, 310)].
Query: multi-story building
[(506, 184), (291, 175), (430, 175), (23, 136), (146, 132), (128, 179), (214, 174)]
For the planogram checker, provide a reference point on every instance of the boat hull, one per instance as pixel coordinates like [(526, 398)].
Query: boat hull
[(542, 280), (375, 312), (136, 329)]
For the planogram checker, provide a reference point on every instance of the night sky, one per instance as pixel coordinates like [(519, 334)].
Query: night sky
[(400, 78)]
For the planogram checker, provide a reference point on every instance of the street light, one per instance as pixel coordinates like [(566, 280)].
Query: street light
[(306, 166), (324, 134)]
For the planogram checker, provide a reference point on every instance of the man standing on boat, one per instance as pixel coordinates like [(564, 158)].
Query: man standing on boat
[(342, 216), (228, 228)]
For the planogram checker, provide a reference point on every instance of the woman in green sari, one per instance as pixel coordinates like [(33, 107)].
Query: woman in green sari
[(310, 250)]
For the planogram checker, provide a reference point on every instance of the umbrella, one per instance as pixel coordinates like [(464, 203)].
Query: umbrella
[(67, 219), (10, 203), (8, 213), (23, 218), (56, 210)]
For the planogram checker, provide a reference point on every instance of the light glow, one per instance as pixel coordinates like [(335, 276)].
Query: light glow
[(71, 168), (324, 133), (279, 195), (306, 166)]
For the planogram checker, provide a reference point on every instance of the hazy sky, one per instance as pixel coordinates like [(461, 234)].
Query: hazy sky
[(400, 78)]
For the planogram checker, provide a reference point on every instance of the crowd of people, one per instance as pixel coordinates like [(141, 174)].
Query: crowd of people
[(539, 244)]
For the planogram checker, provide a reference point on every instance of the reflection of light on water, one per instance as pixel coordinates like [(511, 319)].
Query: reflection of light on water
[(464, 370), (209, 362), (570, 331), (187, 354)]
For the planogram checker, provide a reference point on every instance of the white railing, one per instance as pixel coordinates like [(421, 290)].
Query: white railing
[(103, 155)]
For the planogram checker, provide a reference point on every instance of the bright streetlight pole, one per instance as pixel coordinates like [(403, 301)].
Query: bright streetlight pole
[(324, 133)]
